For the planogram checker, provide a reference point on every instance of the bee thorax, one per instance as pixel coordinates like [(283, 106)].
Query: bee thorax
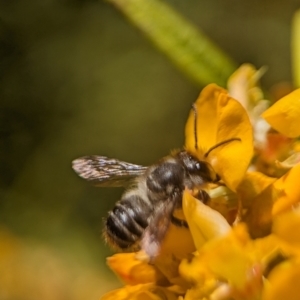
[(165, 179)]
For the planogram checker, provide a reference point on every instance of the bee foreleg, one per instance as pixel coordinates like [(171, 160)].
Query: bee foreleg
[(178, 222), (203, 196)]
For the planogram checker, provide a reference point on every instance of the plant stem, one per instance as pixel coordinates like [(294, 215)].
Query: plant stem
[(296, 48), (187, 47)]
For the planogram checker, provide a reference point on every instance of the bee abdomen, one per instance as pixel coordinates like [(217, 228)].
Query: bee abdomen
[(126, 222)]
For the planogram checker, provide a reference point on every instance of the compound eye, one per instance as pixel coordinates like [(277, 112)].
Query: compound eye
[(198, 166)]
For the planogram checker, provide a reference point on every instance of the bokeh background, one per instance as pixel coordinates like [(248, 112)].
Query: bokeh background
[(76, 79)]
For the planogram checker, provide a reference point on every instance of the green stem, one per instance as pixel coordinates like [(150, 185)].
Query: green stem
[(296, 48), (184, 45)]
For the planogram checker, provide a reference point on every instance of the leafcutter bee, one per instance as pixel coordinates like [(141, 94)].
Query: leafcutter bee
[(141, 218)]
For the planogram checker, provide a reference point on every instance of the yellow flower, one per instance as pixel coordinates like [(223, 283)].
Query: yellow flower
[(284, 114), (170, 245), (291, 161), (243, 85), (204, 223), (216, 118), (141, 292), (228, 266), (255, 260), (132, 270), (285, 227), (284, 279), (288, 191), (284, 282), (276, 148), (225, 120), (251, 186), (284, 117)]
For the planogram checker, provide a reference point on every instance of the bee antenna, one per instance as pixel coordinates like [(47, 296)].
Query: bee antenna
[(220, 144), (195, 125)]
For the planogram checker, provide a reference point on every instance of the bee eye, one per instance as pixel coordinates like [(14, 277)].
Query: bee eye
[(198, 166)]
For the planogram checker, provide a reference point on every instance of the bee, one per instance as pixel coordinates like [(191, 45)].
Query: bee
[(141, 218)]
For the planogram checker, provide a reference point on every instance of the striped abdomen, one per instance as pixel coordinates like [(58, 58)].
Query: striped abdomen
[(127, 221)]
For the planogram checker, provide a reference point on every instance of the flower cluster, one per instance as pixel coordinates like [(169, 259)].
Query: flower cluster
[(243, 243)]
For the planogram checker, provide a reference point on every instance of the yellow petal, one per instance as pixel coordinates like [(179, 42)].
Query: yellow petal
[(157, 293), (219, 118), (252, 185), (177, 245), (282, 195), (178, 241), (276, 147), (228, 257), (201, 291), (168, 265), (259, 215), (284, 282), (284, 115), (133, 271), (243, 85), (223, 200), (204, 222), (285, 226), (288, 191), (127, 292), (141, 292), (201, 279), (290, 162)]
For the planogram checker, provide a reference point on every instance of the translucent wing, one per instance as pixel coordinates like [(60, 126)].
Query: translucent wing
[(158, 227), (106, 172)]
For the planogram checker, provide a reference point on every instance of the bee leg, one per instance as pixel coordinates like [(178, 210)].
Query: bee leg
[(203, 196), (178, 222)]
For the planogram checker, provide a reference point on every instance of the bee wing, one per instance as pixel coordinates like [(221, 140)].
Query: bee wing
[(106, 172), (157, 228)]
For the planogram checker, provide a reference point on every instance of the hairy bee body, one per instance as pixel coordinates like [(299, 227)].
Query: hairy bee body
[(127, 221), (131, 215), (141, 218), (143, 214)]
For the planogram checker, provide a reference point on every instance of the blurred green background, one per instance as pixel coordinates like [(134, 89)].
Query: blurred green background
[(77, 79)]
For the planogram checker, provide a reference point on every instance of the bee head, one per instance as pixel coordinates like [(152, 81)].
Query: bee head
[(199, 170)]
